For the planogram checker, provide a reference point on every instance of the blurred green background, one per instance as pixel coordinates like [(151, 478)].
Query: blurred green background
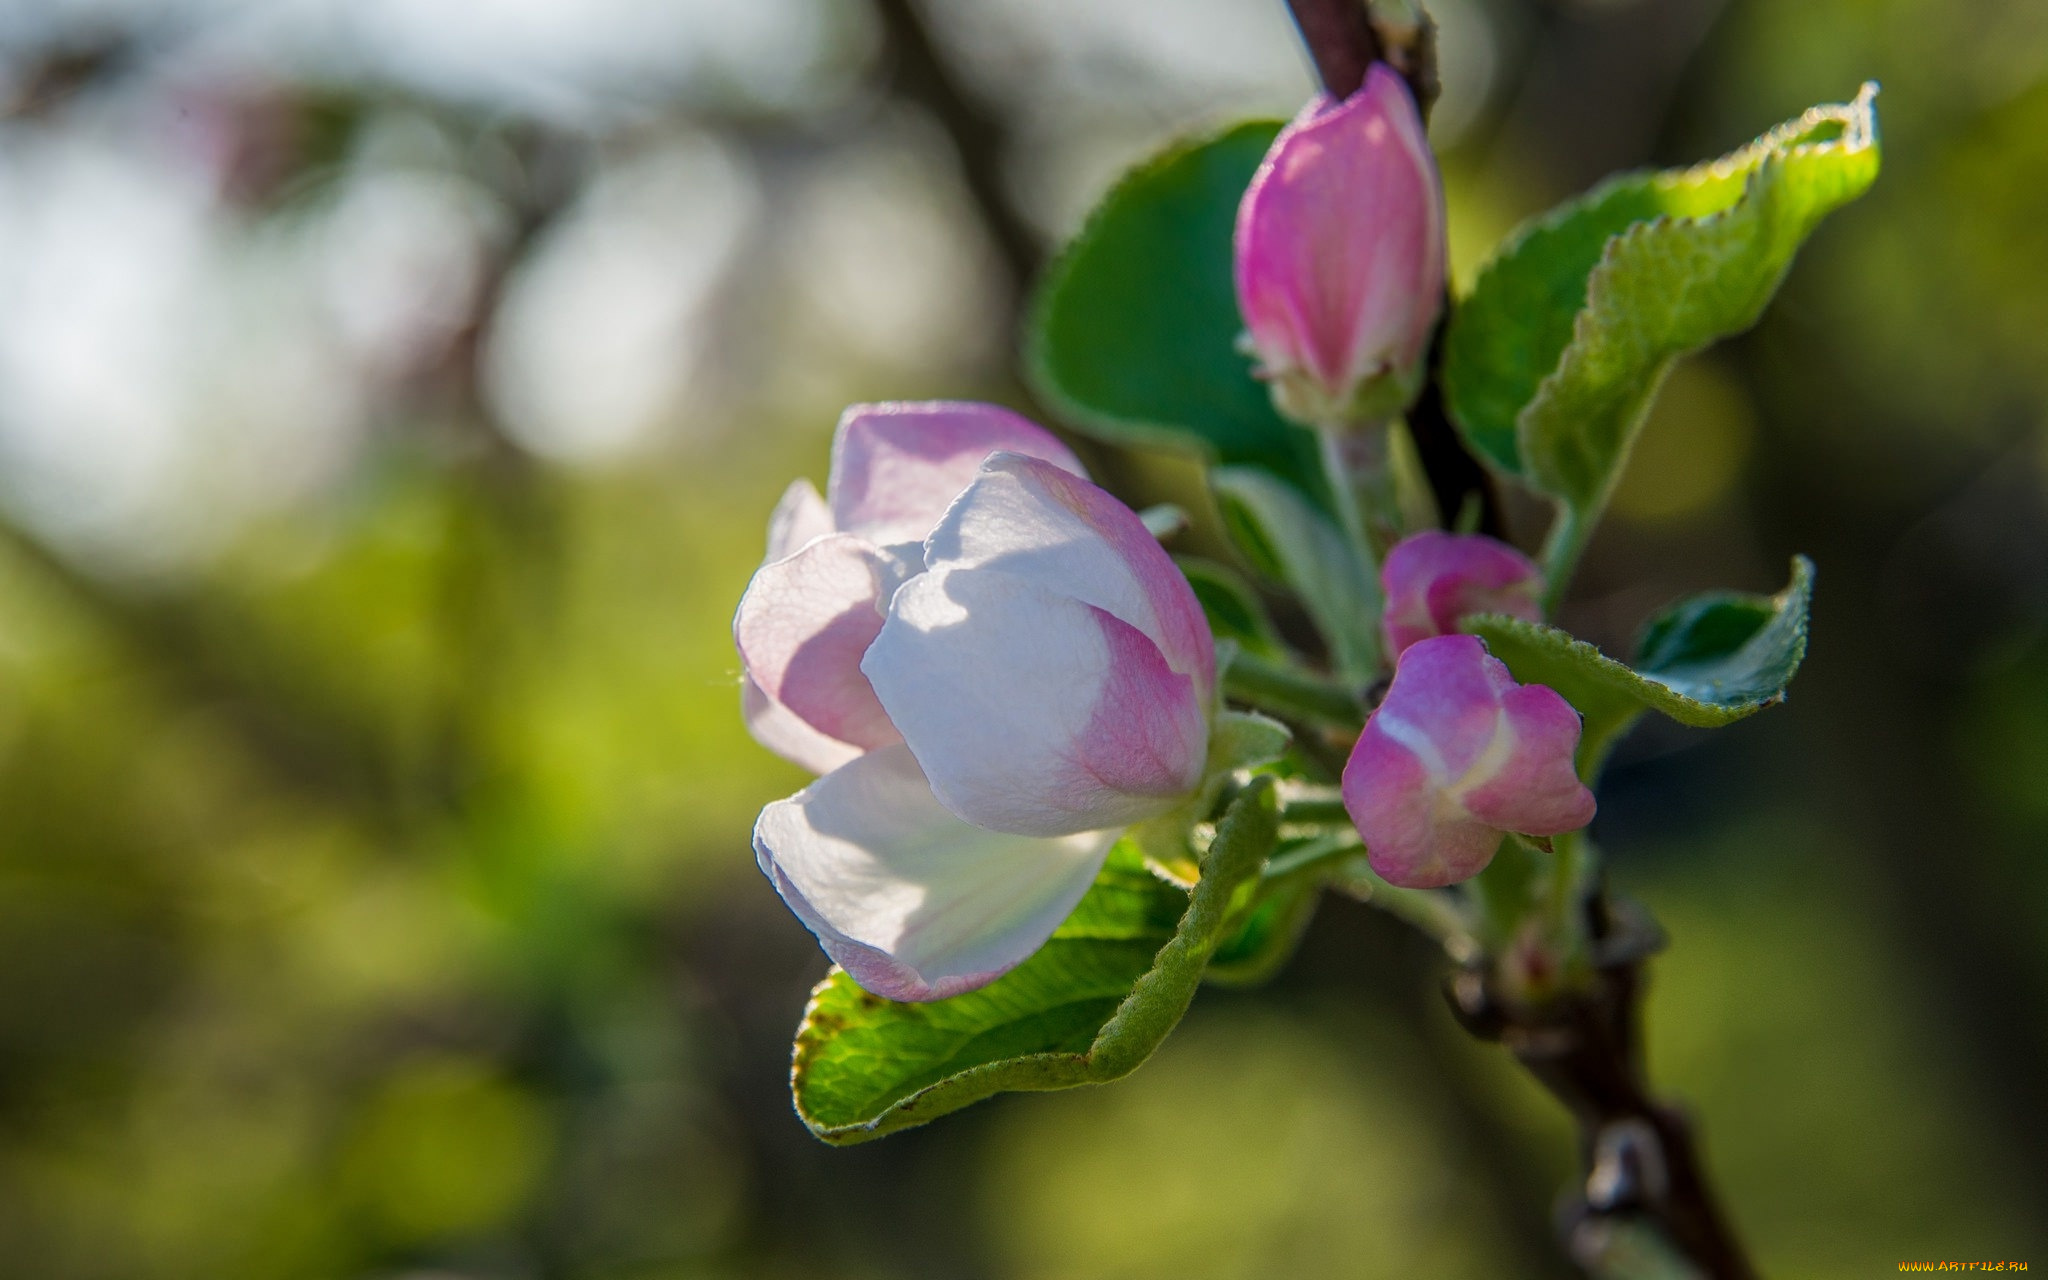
[(392, 397)]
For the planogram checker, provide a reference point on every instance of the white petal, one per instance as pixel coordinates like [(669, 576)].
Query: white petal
[(1040, 523), (800, 516), (912, 902), (1033, 712), (789, 735)]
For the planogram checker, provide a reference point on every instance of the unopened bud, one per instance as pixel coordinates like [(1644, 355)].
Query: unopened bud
[(1340, 257)]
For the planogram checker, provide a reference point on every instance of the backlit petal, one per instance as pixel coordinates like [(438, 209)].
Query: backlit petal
[(896, 467), (909, 900), (785, 733), (802, 627), (1034, 521), (800, 516), (1032, 711), (1340, 241)]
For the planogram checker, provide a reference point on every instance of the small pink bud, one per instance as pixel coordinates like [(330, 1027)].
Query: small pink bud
[(1433, 579), (1457, 756), (1340, 256)]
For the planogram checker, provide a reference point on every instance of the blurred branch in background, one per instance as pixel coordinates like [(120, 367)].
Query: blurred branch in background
[(980, 137)]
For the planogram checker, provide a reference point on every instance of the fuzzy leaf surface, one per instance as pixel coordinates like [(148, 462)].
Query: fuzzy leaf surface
[(1232, 607), (1090, 1006), (1290, 540), (1708, 660), (1551, 363)]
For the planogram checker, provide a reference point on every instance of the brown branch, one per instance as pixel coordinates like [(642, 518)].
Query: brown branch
[(979, 136), (1340, 38), (1642, 1164), (1455, 476)]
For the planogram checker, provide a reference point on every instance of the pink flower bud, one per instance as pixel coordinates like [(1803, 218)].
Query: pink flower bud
[(1340, 256), (1457, 756), (1433, 579)]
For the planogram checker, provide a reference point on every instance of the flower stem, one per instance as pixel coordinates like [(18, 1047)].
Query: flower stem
[(1361, 477), (1320, 807), (1290, 692), (1344, 490), (1562, 547)]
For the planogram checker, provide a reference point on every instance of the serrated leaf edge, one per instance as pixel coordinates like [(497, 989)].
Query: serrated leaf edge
[(1858, 113), (1766, 155), (1644, 686)]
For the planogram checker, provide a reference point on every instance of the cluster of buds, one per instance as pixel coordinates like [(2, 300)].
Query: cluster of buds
[(1457, 755), (997, 671)]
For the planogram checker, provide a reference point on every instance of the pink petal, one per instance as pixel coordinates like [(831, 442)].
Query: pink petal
[(1432, 579), (1444, 703), (1536, 790), (801, 629), (800, 516), (912, 902), (896, 467), (1340, 241), (787, 734), (1456, 756), (1412, 837)]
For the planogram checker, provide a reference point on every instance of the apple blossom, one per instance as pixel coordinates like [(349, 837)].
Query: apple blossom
[(1432, 579), (1036, 678), (1457, 756), (1340, 256)]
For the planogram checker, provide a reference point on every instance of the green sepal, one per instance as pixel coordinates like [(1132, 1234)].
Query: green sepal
[(1132, 337), (1237, 740), (1244, 740), (1708, 660), (1090, 1006), (1550, 364), (1290, 540)]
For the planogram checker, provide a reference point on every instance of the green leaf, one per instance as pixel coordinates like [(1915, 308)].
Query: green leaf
[(1268, 937), (1551, 363), (1290, 540), (1133, 335), (1232, 606), (1090, 1006), (1243, 740), (1706, 661)]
